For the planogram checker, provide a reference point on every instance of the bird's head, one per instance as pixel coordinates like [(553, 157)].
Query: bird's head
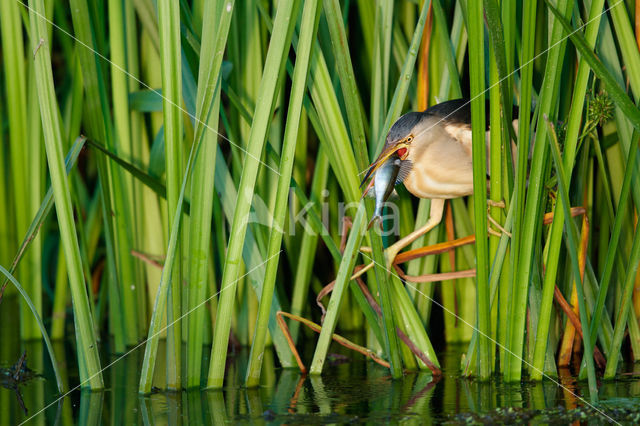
[(401, 140)]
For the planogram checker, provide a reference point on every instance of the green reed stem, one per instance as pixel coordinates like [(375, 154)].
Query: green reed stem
[(442, 32), (202, 185), (627, 41), (555, 239), (6, 221), (380, 66), (87, 344), (495, 184), (524, 139), (344, 272), (530, 226), (157, 316), (25, 155), (404, 80), (124, 56), (625, 193), (308, 246), (350, 91), (169, 27), (475, 25), (284, 24), (99, 127), (572, 235), (307, 33)]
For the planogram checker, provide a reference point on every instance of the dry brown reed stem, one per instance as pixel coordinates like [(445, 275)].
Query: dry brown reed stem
[(147, 258), (96, 277), (315, 327), (418, 353), (598, 357), (372, 302), (450, 245), (285, 330), (433, 249), (423, 63), (567, 346), (407, 341), (347, 223), (430, 278)]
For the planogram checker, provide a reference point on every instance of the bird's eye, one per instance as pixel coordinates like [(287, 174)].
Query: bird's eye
[(409, 139)]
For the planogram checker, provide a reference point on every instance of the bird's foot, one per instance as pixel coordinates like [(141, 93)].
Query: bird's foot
[(500, 204), (493, 232), (361, 271), (390, 256)]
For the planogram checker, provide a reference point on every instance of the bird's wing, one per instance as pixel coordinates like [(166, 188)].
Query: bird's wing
[(462, 134)]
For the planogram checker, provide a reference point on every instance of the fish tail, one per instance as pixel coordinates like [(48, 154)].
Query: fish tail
[(376, 218)]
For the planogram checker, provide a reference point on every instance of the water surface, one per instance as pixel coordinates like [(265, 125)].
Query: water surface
[(352, 390)]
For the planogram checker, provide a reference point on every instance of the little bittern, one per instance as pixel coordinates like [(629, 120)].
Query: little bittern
[(432, 153)]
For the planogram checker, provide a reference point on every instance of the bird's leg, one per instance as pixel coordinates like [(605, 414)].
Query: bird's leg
[(435, 216)]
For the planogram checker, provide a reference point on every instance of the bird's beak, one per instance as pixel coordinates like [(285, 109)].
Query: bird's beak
[(384, 156)]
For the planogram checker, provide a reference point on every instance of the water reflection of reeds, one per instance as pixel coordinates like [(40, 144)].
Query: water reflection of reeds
[(355, 390)]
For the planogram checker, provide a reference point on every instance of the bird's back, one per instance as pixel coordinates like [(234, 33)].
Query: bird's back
[(456, 111)]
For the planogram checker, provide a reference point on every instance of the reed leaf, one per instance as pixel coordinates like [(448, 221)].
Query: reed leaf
[(38, 319), (46, 205), (617, 94)]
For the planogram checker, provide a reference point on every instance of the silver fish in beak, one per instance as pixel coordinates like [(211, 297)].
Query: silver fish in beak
[(384, 179)]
